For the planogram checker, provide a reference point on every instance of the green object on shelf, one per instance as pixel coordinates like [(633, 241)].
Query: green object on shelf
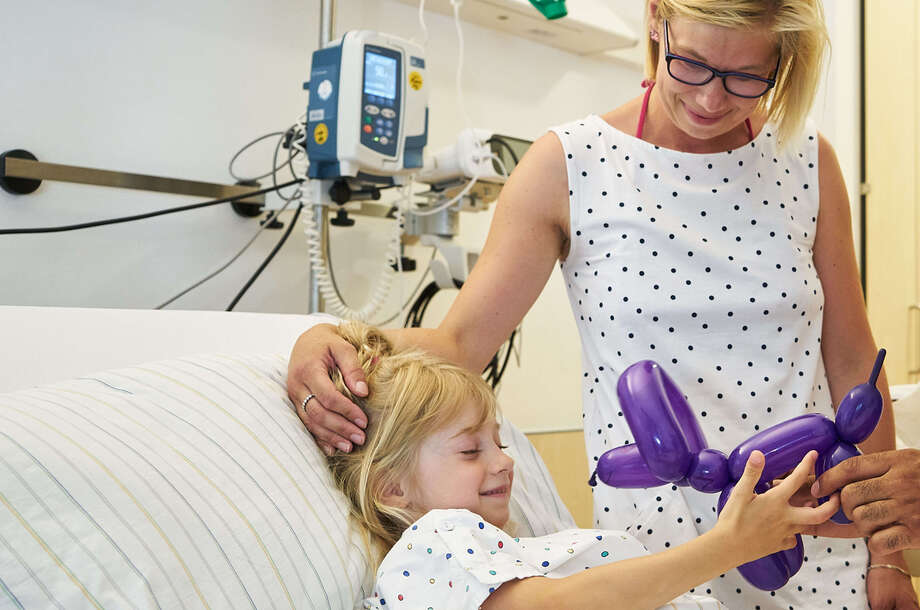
[(551, 9)]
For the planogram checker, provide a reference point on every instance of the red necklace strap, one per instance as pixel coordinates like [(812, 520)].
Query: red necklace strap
[(644, 111)]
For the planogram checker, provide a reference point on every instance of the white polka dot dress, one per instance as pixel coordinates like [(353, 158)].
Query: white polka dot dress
[(703, 263), (453, 560)]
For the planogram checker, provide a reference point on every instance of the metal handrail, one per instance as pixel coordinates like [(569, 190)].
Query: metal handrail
[(29, 169)]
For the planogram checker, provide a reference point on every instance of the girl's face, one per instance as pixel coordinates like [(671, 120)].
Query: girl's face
[(708, 111), (458, 469)]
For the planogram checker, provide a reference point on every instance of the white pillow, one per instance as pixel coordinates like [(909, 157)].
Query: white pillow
[(188, 483)]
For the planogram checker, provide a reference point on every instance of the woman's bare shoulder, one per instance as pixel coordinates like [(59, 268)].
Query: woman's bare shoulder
[(625, 118)]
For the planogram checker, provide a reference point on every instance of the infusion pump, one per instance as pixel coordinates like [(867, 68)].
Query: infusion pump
[(367, 115)]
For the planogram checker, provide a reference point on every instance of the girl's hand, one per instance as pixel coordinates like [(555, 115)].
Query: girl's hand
[(745, 514)]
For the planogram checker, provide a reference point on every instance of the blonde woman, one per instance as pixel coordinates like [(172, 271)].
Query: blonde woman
[(704, 225), (429, 492)]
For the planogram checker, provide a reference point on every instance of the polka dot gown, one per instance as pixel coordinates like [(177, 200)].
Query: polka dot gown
[(452, 559), (703, 263)]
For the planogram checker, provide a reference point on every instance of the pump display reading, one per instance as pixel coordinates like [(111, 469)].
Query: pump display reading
[(380, 104), (379, 75)]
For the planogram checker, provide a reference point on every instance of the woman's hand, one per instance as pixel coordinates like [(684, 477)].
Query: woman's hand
[(333, 420), (744, 515), (888, 589)]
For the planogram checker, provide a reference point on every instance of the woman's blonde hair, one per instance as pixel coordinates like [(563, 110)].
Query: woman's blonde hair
[(802, 41), (412, 395)]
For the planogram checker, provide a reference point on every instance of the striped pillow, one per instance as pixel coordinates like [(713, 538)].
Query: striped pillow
[(187, 483)]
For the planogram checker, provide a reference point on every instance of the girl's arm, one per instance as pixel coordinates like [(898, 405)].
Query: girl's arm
[(739, 536), (527, 236)]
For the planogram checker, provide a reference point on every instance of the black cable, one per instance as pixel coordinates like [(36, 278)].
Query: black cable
[(268, 259), (99, 223), (270, 218), (510, 349), (414, 318), (434, 252), (274, 172), (492, 372)]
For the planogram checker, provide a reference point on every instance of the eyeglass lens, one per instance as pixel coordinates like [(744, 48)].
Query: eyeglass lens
[(692, 74)]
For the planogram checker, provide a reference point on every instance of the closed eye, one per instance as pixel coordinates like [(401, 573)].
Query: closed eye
[(471, 451)]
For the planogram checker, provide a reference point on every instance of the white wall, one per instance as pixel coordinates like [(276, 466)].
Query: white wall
[(837, 107), (175, 88)]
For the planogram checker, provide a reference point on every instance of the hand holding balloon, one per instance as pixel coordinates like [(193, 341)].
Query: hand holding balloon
[(742, 517), (670, 448)]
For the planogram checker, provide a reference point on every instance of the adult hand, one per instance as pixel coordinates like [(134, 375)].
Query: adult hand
[(888, 589), (880, 493), (332, 419)]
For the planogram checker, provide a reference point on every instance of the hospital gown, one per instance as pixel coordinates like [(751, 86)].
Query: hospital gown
[(453, 560)]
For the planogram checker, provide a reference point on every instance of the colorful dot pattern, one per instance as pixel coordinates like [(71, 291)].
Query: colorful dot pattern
[(703, 263), (463, 570)]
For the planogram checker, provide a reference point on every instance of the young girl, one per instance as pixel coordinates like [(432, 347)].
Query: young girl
[(430, 489)]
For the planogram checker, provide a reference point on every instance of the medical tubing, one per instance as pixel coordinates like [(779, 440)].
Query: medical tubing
[(267, 260), (456, 4), (444, 206), (335, 304), (321, 270), (244, 149), (421, 22), (99, 223)]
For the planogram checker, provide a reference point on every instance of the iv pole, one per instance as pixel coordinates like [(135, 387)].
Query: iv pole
[(326, 32)]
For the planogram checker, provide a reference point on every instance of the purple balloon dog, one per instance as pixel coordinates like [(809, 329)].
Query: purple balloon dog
[(670, 448)]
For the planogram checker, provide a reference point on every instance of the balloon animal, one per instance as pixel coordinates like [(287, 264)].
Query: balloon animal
[(670, 448)]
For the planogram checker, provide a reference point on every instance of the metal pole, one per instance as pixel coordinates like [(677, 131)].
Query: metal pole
[(326, 22), (14, 167), (326, 34)]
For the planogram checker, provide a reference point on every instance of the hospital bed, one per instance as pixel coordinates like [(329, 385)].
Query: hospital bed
[(152, 459)]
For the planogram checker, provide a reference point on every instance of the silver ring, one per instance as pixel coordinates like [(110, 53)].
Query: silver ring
[(303, 405)]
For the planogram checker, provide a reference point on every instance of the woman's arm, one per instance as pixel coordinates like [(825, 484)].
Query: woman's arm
[(527, 236), (846, 339), (652, 581)]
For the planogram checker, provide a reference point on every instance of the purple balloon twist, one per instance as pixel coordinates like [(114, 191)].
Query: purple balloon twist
[(670, 447)]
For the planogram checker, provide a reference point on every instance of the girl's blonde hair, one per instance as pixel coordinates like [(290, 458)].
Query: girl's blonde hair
[(802, 40), (412, 395)]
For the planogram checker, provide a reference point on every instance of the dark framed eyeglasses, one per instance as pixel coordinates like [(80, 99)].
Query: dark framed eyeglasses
[(692, 72)]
